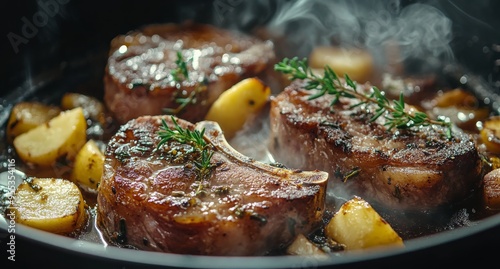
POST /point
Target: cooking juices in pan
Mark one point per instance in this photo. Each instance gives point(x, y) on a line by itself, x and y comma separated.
point(431, 94)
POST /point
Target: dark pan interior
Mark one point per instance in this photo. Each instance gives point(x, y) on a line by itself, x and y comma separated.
point(74, 33)
point(68, 53)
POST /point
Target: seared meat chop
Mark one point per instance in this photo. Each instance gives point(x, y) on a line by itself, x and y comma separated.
point(138, 77)
point(148, 198)
point(397, 169)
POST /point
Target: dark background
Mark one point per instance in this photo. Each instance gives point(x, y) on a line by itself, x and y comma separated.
point(78, 34)
point(80, 28)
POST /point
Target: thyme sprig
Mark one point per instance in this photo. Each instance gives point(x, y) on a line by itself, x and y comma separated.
point(195, 139)
point(350, 174)
point(395, 114)
point(179, 74)
point(204, 167)
point(184, 101)
point(181, 135)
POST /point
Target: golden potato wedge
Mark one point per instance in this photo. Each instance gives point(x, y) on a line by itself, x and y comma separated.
point(358, 226)
point(49, 204)
point(461, 107)
point(495, 162)
point(88, 166)
point(237, 104)
point(457, 97)
point(490, 134)
point(92, 107)
point(28, 115)
point(356, 63)
point(491, 189)
point(62, 136)
point(302, 246)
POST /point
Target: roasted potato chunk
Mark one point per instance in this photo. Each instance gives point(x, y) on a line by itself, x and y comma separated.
point(461, 107)
point(92, 107)
point(490, 134)
point(302, 246)
point(28, 115)
point(88, 165)
point(62, 136)
point(358, 226)
point(491, 189)
point(357, 63)
point(495, 162)
point(49, 204)
point(456, 97)
point(238, 104)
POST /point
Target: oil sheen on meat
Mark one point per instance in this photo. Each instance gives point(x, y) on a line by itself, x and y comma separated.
point(147, 198)
point(138, 77)
point(406, 169)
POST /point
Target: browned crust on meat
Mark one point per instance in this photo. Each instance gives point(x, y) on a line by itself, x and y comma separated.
point(397, 169)
point(250, 208)
point(138, 78)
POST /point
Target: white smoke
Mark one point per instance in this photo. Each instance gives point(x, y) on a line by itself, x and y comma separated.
point(421, 31)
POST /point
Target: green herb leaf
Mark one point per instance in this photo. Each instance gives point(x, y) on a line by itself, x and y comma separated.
point(181, 135)
point(394, 113)
point(196, 140)
point(180, 73)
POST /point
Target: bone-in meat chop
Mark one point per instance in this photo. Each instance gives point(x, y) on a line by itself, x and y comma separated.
point(144, 73)
point(414, 169)
point(150, 199)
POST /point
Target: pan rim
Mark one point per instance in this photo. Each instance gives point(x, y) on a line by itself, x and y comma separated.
point(111, 253)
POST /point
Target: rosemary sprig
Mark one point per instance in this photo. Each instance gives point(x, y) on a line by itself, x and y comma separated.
point(394, 113)
point(194, 138)
point(184, 101)
point(180, 73)
point(181, 135)
point(204, 167)
point(351, 174)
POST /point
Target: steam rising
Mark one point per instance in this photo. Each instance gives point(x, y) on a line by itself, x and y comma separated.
point(415, 31)
point(418, 31)
point(392, 32)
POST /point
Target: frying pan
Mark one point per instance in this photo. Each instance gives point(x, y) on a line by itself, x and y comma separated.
point(65, 49)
